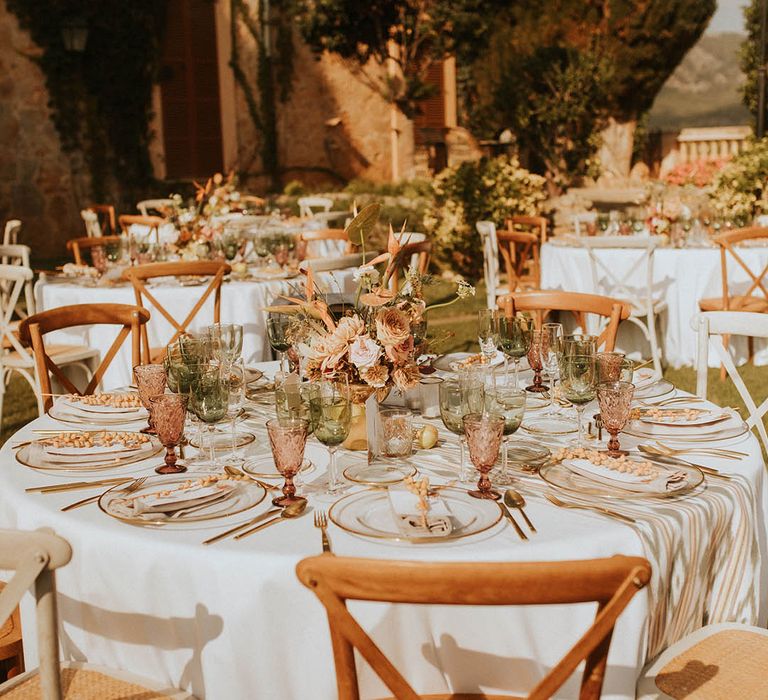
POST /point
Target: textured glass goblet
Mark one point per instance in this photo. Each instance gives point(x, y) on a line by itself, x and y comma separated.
point(169, 413)
point(484, 433)
point(615, 399)
point(151, 381)
point(609, 366)
point(287, 438)
point(538, 338)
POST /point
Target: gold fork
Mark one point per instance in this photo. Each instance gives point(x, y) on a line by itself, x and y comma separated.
point(321, 522)
point(137, 483)
point(578, 506)
point(713, 451)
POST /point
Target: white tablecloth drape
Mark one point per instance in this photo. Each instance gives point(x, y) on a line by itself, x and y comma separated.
point(241, 302)
point(231, 621)
point(681, 277)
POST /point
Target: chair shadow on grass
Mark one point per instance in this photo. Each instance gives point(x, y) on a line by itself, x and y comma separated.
point(169, 633)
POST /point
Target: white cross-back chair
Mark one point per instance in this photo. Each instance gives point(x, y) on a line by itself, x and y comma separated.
point(645, 304)
point(714, 328)
point(487, 231)
point(92, 226)
point(307, 205)
point(582, 220)
point(11, 232)
point(16, 254)
point(34, 558)
point(149, 206)
point(17, 357)
point(341, 262)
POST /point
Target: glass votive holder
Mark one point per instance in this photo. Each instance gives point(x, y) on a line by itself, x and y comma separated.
point(397, 430)
point(429, 388)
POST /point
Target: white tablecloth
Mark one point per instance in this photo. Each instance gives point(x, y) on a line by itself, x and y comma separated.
point(232, 622)
point(681, 277)
point(241, 302)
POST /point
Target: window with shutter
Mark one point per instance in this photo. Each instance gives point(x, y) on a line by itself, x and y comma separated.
point(189, 84)
point(430, 124)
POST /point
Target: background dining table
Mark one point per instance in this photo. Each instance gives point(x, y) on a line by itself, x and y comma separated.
point(681, 277)
point(231, 620)
point(239, 299)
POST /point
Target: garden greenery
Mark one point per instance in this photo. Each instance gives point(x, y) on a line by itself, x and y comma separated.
point(484, 190)
point(740, 192)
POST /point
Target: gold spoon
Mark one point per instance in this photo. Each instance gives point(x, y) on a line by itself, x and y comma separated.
point(294, 510)
point(515, 499)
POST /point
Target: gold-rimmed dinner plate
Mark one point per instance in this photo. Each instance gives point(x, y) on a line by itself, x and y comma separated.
point(452, 362)
point(243, 495)
point(34, 456)
point(264, 467)
point(63, 414)
point(77, 405)
point(549, 425)
point(223, 441)
point(730, 429)
point(655, 390)
point(379, 474)
point(369, 514)
point(677, 418)
point(562, 476)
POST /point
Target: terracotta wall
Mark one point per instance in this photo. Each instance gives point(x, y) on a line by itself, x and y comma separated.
point(36, 182)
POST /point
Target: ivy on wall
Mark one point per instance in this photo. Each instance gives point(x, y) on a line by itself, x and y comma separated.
point(101, 99)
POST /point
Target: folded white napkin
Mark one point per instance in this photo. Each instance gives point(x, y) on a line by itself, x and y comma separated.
point(645, 377)
point(408, 517)
point(169, 501)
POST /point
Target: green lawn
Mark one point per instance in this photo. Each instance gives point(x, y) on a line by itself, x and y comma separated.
point(455, 329)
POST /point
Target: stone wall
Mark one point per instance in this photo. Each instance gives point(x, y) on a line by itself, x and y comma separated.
point(36, 182)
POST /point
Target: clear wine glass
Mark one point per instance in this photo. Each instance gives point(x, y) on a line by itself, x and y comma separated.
point(514, 339)
point(331, 417)
point(507, 401)
point(209, 400)
point(578, 382)
point(226, 341)
point(277, 331)
point(235, 376)
point(551, 351)
point(488, 333)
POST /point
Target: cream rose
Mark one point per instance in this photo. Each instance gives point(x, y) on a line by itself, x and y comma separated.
point(364, 352)
point(402, 353)
point(392, 327)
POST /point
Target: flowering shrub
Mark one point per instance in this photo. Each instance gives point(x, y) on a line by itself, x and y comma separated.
point(741, 191)
point(462, 195)
point(700, 173)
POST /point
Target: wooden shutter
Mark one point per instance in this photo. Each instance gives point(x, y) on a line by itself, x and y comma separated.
point(190, 91)
point(430, 124)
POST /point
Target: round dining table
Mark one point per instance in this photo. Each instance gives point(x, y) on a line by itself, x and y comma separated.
point(681, 276)
point(239, 299)
point(231, 620)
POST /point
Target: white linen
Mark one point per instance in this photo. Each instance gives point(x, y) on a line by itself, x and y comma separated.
point(241, 302)
point(681, 277)
point(232, 620)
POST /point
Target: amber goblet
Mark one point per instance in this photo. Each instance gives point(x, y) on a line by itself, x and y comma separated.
point(151, 381)
point(615, 399)
point(287, 438)
point(484, 433)
point(538, 338)
point(169, 412)
point(609, 366)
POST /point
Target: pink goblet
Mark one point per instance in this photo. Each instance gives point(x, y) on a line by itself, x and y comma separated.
point(169, 412)
point(151, 381)
point(615, 399)
point(484, 433)
point(287, 438)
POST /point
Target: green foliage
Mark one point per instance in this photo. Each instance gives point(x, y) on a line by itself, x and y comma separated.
point(741, 190)
point(422, 32)
point(485, 190)
point(101, 99)
point(750, 56)
point(295, 188)
point(412, 189)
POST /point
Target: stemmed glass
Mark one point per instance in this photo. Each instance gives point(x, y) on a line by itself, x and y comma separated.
point(578, 382)
point(534, 360)
point(292, 397)
point(169, 413)
point(514, 339)
point(331, 414)
point(226, 341)
point(577, 344)
point(235, 377)
point(484, 433)
point(615, 399)
point(550, 351)
point(151, 381)
point(277, 331)
point(209, 400)
point(509, 402)
point(609, 366)
point(287, 440)
point(458, 397)
point(487, 332)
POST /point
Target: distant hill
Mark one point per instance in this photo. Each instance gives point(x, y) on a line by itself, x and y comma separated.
point(705, 88)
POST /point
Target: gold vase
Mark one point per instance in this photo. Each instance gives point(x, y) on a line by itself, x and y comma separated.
point(358, 428)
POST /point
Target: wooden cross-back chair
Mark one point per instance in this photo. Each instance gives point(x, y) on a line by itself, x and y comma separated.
point(729, 299)
point(404, 259)
point(78, 246)
point(102, 221)
point(130, 319)
point(33, 557)
point(139, 274)
point(327, 234)
point(520, 247)
point(541, 303)
point(162, 206)
point(610, 582)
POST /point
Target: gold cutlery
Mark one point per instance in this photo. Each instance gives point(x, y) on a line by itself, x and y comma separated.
point(130, 488)
point(232, 530)
point(294, 510)
point(714, 451)
point(321, 522)
point(515, 499)
point(511, 519)
point(73, 485)
point(234, 471)
point(578, 506)
point(674, 459)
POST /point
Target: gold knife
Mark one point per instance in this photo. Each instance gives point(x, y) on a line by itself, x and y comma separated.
point(255, 520)
point(506, 512)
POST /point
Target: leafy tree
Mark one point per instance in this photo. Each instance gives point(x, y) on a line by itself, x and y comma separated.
point(750, 55)
point(407, 34)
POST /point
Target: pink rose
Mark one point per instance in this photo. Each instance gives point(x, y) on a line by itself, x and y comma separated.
point(402, 353)
point(364, 352)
